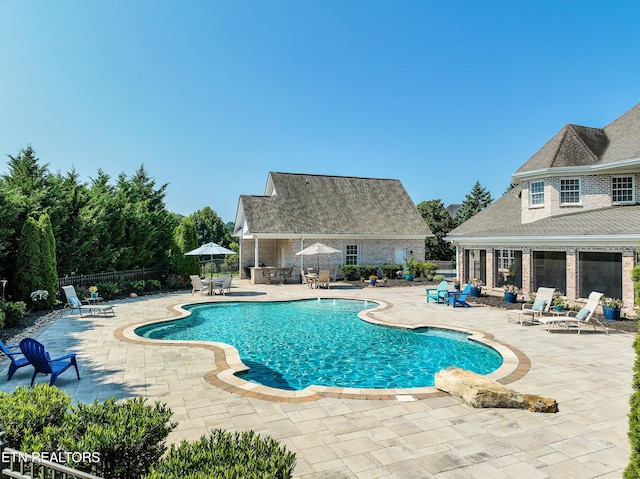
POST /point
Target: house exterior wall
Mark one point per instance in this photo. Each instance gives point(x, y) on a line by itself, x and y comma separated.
point(371, 252)
point(595, 193)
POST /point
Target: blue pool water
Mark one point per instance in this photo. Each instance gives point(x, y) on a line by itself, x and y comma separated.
point(294, 344)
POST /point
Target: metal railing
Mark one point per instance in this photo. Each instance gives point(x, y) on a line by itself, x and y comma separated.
point(112, 276)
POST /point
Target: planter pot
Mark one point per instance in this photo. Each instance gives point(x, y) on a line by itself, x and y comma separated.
point(456, 287)
point(94, 295)
point(373, 282)
point(559, 308)
point(408, 277)
point(510, 297)
point(475, 292)
point(611, 314)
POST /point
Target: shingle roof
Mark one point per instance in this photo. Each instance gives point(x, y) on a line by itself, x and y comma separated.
point(502, 219)
point(333, 205)
point(584, 146)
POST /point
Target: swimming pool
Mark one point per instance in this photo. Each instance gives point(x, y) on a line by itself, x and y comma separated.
point(294, 344)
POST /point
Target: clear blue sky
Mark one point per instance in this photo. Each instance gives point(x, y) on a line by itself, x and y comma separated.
point(212, 95)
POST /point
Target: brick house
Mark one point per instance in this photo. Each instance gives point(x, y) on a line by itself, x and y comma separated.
point(572, 221)
point(371, 221)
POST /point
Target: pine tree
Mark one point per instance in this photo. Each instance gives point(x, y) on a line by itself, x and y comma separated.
point(477, 200)
point(440, 223)
point(49, 278)
point(29, 260)
point(185, 239)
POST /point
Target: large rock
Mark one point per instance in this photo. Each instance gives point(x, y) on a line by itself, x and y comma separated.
point(480, 391)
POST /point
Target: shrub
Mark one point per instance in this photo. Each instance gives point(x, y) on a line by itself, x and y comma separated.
point(175, 281)
point(107, 289)
point(353, 272)
point(389, 270)
point(30, 410)
point(13, 313)
point(633, 468)
point(1, 318)
point(152, 285)
point(438, 278)
point(125, 286)
point(243, 455)
point(129, 436)
point(426, 269)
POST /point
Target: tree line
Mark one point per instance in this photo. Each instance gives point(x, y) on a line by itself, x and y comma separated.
point(102, 225)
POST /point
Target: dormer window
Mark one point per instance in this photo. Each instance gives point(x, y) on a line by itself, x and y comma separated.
point(570, 191)
point(622, 189)
point(536, 193)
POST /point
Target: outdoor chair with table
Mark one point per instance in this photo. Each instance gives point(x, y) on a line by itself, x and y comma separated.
point(74, 303)
point(586, 315)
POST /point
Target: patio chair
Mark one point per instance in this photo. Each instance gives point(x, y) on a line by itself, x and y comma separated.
point(224, 286)
point(584, 316)
point(323, 278)
point(74, 303)
point(16, 357)
point(535, 310)
point(439, 294)
point(459, 297)
point(42, 363)
point(196, 284)
point(303, 277)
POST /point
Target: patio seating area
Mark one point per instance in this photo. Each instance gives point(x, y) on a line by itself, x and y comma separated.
point(342, 437)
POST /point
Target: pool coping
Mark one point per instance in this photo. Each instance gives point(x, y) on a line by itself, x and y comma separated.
point(227, 361)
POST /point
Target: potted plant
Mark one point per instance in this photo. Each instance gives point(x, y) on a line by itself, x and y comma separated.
point(476, 287)
point(511, 292)
point(410, 268)
point(372, 279)
point(94, 291)
point(558, 301)
point(456, 284)
point(611, 308)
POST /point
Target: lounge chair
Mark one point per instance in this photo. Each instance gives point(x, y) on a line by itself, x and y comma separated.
point(584, 316)
point(196, 284)
point(439, 294)
point(15, 356)
point(42, 363)
point(459, 297)
point(535, 310)
point(74, 303)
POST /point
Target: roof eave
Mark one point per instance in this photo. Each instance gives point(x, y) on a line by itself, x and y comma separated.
point(572, 170)
point(626, 240)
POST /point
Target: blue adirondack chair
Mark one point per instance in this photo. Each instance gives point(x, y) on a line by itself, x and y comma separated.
point(39, 358)
point(438, 295)
point(459, 297)
point(15, 356)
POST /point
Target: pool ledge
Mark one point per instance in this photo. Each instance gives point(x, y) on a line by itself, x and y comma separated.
point(227, 363)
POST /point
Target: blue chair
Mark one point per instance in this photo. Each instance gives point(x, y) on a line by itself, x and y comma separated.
point(459, 297)
point(438, 295)
point(35, 353)
point(15, 356)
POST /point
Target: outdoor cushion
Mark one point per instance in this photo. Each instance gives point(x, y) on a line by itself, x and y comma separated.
point(538, 305)
point(582, 314)
point(75, 302)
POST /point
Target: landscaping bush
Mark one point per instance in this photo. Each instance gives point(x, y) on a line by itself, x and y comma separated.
point(175, 281)
point(129, 436)
point(138, 286)
point(1, 318)
point(243, 455)
point(633, 469)
point(152, 285)
point(389, 270)
point(30, 410)
point(125, 286)
point(107, 289)
point(353, 272)
point(438, 278)
point(13, 312)
point(426, 269)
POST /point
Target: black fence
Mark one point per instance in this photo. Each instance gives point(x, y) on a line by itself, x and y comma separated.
point(86, 280)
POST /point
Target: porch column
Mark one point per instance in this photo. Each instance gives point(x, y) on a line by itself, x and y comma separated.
point(628, 263)
point(572, 274)
point(526, 270)
point(458, 263)
point(489, 268)
point(255, 253)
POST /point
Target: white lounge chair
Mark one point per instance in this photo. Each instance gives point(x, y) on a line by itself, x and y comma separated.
point(535, 310)
point(74, 303)
point(584, 316)
point(196, 284)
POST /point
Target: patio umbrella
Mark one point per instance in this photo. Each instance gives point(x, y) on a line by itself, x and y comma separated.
point(210, 249)
point(317, 249)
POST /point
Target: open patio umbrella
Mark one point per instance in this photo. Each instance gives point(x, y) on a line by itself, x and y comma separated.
point(317, 249)
point(210, 249)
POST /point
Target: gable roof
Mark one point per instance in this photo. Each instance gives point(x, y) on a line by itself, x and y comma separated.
point(581, 146)
point(317, 205)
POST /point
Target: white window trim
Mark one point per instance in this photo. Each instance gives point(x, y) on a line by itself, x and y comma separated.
point(537, 205)
point(357, 255)
point(633, 190)
point(579, 202)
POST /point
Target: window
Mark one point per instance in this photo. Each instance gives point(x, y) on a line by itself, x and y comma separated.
point(569, 192)
point(352, 254)
point(622, 189)
point(505, 258)
point(536, 193)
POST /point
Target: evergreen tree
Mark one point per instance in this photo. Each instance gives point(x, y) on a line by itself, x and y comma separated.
point(209, 227)
point(440, 223)
point(477, 200)
point(49, 274)
point(185, 239)
point(633, 469)
point(28, 272)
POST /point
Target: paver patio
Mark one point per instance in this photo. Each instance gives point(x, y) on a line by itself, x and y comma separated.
point(441, 437)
